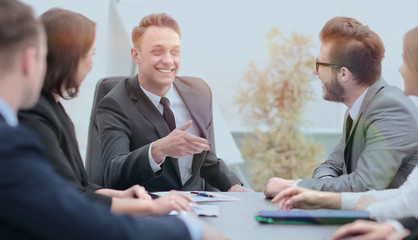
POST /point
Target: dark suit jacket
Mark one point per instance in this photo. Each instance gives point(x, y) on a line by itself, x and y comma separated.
point(36, 203)
point(128, 122)
point(410, 223)
point(49, 121)
point(382, 148)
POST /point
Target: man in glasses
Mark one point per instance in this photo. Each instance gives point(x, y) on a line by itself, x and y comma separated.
point(379, 144)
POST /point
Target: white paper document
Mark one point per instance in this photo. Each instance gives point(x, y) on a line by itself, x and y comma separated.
point(202, 210)
point(202, 196)
point(206, 210)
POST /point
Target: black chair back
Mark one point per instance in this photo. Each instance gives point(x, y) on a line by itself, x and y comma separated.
point(94, 163)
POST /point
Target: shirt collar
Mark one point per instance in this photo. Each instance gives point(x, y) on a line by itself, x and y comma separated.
point(155, 99)
point(355, 109)
point(8, 114)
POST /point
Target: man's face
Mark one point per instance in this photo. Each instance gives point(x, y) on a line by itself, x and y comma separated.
point(158, 58)
point(332, 90)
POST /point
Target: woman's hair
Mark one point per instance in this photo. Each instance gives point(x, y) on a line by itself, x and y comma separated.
point(70, 36)
point(410, 50)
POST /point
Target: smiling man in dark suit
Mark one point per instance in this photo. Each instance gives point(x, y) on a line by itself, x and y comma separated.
point(156, 128)
point(35, 202)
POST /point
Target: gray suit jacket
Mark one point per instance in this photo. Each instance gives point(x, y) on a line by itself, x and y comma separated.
point(128, 123)
point(382, 148)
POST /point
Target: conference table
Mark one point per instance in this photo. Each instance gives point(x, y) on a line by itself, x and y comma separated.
point(236, 221)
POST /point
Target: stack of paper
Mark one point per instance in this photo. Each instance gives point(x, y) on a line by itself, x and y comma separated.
point(203, 196)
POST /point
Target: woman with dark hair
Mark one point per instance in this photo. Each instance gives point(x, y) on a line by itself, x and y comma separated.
point(70, 39)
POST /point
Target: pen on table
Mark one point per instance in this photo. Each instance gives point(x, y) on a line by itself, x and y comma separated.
point(202, 194)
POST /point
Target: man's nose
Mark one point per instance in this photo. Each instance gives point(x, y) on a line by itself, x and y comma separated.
point(168, 59)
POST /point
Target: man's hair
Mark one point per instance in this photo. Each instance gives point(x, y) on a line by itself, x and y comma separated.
point(18, 30)
point(70, 36)
point(410, 50)
point(354, 46)
point(157, 19)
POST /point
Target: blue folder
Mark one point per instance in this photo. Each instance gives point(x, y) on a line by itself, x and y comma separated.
point(320, 216)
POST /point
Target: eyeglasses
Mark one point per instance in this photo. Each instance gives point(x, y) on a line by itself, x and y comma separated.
point(331, 65)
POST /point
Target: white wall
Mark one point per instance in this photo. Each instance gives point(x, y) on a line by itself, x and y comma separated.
point(219, 39)
point(98, 11)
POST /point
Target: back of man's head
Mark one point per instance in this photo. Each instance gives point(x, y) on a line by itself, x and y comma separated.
point(354, 46)
point(18, 30)
point(156, 19)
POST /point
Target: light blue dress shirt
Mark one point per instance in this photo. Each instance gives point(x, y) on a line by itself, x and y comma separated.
point(8, 114)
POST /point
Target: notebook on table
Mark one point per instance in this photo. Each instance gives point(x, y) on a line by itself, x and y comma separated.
point(320, 216)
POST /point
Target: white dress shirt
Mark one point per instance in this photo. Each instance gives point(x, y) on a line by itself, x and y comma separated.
point(8, 114)
point(355, 109)
point(181, 115)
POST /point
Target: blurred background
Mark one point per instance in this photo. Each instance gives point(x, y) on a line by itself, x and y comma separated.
point(219, 39)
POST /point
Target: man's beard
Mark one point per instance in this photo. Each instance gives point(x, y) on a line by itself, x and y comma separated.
point(334, 91)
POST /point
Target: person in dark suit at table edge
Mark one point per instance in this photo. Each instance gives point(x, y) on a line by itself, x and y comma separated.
point(141, 141)
point(35, 202)
point(378, 148)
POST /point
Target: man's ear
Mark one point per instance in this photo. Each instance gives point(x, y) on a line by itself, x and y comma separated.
point(28, 60)
point(135, 55)
point(345, 74)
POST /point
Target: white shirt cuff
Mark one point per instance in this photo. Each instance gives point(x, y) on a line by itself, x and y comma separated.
point(154, 166)
point(349, 199)
point(297, 181)
point(193, 224)
point(396, 225)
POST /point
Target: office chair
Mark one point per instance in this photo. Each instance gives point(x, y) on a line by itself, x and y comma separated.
point(94, 166)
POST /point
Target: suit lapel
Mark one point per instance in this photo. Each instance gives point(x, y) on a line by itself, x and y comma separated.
point(147, 108)
point(191, 100)
point(371, 93)
point(144, 105)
